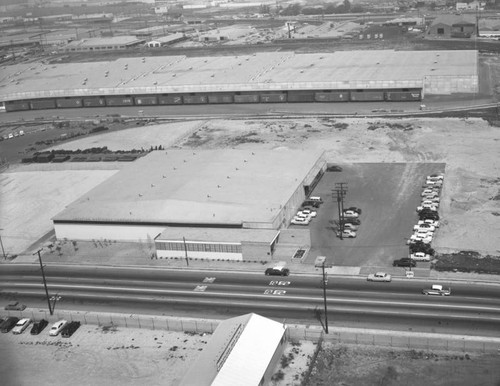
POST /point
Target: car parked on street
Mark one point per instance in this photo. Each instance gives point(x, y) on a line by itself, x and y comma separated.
point(8, 324)
point(347, 234)
point(15, 306)
point(404, 262)
point(38, 327)
point(420, 256)
point(21, 325)
point(70, 329)
point(277, 271)
point(57, 327)
point(437, 289)
point(379, 276)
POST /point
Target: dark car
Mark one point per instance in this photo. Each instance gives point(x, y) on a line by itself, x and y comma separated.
point(420, 246)
point(354, 209)
point(69, 329)
point(15, 306)
point(427, 214)
point(351, 220)
point(38, 327)
point(314, 204)
point(404, 262)
point(8, 324)
point(277, 271)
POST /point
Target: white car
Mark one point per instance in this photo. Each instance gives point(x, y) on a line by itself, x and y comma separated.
point(420, 256)
point(424, 228)
point(418, 237)
point(57, 327)
point(308, 212)
point(433, 182)
point(437, 289)
point(431, 198)
point(303, 215)
point(350, 226)
point(427, 206)
point(430, 192)
point(379, 276)
point(347, 234)
point(21, 326)
point(434, 223)
point(431, 202)
point(351, 213)
point(436, 177)
point(300, 221)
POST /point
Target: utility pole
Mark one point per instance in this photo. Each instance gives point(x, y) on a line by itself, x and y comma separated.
point(44, 281)
point(325, 281)
point(338, 193)
point(185, 251)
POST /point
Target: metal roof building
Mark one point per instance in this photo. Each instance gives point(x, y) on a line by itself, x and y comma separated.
point(243, 351)
point(436, 72)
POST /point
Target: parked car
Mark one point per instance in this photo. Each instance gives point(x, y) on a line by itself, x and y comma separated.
point(277, 271)
point(8, 324)
point(353, 221)
point(436, 177)
point(437, 289)
point(430, 192)
point(57, 327)
point(15, 306)
point(427, 206)
point(379, 276)
point(433, 223)
point(420, 256)
point(350, 226)
point(424, 227)
point(303, 215)
point(21, 325)
point(404, 262)
point(300, 221)
point(423, 237)
point(70, 329)
point(354, 209)
point(308, 212)
point(38, 327)
point(433, 201)
point(347, 234)
point(427, 214)
point(419, 246)
point(350, 213)
point(431, 183)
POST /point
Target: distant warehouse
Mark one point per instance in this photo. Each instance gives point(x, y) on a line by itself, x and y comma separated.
point(278, 77)
point(107, 44)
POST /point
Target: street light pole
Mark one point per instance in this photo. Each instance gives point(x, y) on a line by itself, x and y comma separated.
point(44, 281)
point(324, 297)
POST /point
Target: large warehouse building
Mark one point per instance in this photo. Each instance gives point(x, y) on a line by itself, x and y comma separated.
point(227, 204)
point(383, 75)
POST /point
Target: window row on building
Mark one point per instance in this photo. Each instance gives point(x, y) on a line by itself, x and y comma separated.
point(198, 247)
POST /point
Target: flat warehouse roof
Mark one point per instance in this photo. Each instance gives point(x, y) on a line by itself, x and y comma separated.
point(197, 187)
point(257, 72)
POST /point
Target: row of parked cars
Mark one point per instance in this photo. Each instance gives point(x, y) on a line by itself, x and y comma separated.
point(307, 211)
point(18, 326)
point(349, 223)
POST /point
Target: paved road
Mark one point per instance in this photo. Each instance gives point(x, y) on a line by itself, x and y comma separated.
point(351, 302)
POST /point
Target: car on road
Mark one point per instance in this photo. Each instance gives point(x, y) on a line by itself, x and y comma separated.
point(38, 327)
point(300, 221)
point(308, 212)
point(379, 276)
point(424, 227)
point(420, 256)
point(15, 306)
point(354, 209)
point(350, 213)
point(277, 271)
point(404, 262)
point(437, 289)
point(347, 234)
point(21, 325)
point(350, 226)
point(70, 329)
point(57, 327)
point(8, 324)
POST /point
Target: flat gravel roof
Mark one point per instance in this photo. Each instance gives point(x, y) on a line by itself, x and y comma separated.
point(197, 187)
point(256, 72)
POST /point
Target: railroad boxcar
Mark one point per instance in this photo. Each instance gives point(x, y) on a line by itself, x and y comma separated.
point(17, 105)
point(246, 98)
point(94, 102)
point(401, 96)
point(331, 96)
point(195, 99)
point(367, 96)
point(273, 98)
point(119, 100)
point(146, 100)
point(67, 103)
point(298, 96)
point(220, 98)
point(173, 99)
point(40, 104)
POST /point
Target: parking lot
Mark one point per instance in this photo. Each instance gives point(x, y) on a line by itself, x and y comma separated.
point(388, 195)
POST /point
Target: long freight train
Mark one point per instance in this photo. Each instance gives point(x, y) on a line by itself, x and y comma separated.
point(401, 95)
